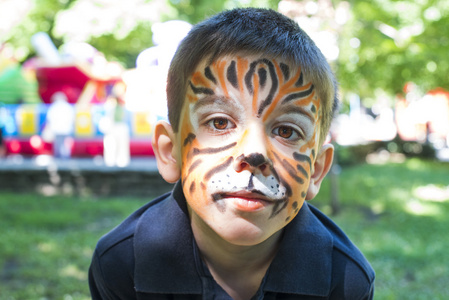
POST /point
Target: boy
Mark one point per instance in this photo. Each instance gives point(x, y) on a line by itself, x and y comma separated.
point(250, 101)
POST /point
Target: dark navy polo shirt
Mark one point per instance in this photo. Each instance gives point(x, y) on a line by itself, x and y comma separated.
point(153, 255)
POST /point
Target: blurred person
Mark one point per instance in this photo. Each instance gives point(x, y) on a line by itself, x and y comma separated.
point(116, 141)
point(59, 125)
point(250, 102)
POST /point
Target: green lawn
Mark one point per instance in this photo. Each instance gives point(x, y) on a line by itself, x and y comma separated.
point(395, 213)
point(46, 243)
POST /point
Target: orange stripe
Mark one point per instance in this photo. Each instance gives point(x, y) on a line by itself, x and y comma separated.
point(279, 73)
point(256, 92)
point(294, 79)
point(220, 66)
point(283, 90)
point(306, 101)
point(198, 79)
point(242, 68)
point(192, 98)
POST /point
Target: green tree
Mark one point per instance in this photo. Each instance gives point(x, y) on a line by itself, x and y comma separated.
point(388, 43)
point(194, 11)
point(41, 17)
point(383, 45)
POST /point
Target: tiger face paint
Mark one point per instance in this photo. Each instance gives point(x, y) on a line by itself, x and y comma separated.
point(249, 137)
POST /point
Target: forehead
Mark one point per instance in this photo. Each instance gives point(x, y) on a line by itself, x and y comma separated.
point(247, 62)
point(268, 83)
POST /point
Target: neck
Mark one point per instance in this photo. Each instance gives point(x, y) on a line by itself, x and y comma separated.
point(238, 269)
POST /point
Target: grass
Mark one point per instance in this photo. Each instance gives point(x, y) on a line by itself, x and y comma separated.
point(47, 242)
point(395, 213)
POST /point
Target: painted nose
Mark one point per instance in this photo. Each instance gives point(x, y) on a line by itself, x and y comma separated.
point(251, 161)
point(254, 155)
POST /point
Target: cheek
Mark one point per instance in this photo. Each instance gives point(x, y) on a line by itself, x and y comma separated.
point(294, 172)
point(192, 181)
point(197, 171)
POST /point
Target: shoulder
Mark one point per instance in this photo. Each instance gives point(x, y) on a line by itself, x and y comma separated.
point(352, 274)
point(125, 230)
point(111, 272)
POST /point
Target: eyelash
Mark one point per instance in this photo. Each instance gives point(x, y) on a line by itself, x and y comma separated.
point(230, 126)
point(299, 135)
point(211, 126)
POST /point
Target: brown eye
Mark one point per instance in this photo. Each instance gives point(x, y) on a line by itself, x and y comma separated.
point(285, 132)
point(220, 123)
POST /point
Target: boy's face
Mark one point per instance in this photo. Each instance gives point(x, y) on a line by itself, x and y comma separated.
point(249, 138)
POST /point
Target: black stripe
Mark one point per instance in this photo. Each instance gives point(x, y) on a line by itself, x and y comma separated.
point(209, 75)
point(278, 207)
point(292, 172)
point(300, 81)
point(280, 179)
point(302, 158)
point(249, 76)
point(197, 151)
point(218, 168)
point(231, 75)
point(285, 71)
point(192, 187)
point(201, 90)
point(262, 77)
point(274, 87)
point(194, 165)
point(298, 95)
point(302, 170)
point(189, 139)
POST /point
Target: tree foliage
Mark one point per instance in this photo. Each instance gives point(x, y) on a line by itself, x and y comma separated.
point(194, 11)
point(385, 43)
point(388, 43)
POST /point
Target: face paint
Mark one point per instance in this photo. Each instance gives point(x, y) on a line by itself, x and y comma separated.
point(249, 136)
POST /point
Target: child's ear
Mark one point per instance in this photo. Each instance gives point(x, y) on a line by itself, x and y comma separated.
point(164, 147)
point(322, 165)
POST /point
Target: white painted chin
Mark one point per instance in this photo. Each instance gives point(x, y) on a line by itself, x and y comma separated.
point(230, 181)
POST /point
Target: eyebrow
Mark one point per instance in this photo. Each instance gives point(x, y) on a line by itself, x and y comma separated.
point(214, 100)
point(289, 109)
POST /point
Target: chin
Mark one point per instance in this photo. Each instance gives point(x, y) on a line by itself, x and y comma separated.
point(244, 233)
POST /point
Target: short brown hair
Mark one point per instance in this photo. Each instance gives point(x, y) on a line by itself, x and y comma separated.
point(252, 31)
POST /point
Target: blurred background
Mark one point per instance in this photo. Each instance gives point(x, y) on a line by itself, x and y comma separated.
point(83, 81)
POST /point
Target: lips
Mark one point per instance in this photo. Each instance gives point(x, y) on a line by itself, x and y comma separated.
point(248, 201)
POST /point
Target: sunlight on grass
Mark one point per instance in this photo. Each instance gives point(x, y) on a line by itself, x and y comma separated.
point(397, 215)
point(46, 247)
point(73, 271)
point(420, 208)
point(432, 192)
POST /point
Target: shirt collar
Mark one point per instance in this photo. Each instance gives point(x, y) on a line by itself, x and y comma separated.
point(165, 259)
point(303, 264)
point(163, 249)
